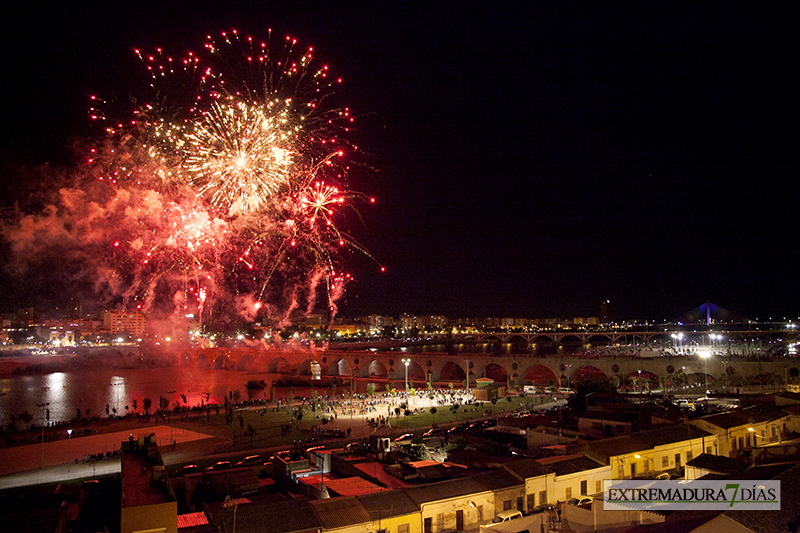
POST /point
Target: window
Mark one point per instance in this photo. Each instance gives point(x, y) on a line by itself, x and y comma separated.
point(542, 497)
point(646, 466)
point(708, 450)
point(584, 487)
point(689, 456)
point(439, 521)
point(747, 440)
point(621, 470)
point(568, 493)
point(733, 443)
point(665, 462)
point(506, 505)
point(531, 501)
point(428, 525)
point(598, 486)
point(520, 506)
point(402, 528)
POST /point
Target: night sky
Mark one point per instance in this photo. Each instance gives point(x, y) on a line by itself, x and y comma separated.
point(530, 161)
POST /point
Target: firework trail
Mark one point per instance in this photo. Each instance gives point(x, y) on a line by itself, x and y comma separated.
point(225, 187)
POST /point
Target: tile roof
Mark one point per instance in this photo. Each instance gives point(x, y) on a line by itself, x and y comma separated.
point(604, 449)
point(571, 464)
point(443, 490)
point(192, 519)
point(498, 479)
point(526, 468)
point(387, 504)
point(718, 463)
point(292, 516)
point(787, 518)
point(745, 416)
point(351, 486)
point(334, 513)
point(668, 435)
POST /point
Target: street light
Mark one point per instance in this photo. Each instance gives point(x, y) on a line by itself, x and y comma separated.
point(467, 360)
point(406, 362)
point(47, 411)
point(677, 345)
point(648, 459)
point(753, 431)
point(69, 449)
point(705, 355)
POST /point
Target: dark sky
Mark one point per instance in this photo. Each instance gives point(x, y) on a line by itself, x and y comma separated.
point(532, 160)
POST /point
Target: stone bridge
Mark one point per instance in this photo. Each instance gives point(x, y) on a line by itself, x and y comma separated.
point(513, 369)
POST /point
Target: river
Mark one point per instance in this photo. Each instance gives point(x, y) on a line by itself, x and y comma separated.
point(90, 390)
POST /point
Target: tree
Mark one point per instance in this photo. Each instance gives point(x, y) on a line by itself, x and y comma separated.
point(371, 389)
point(433, 414)
point(147, 403)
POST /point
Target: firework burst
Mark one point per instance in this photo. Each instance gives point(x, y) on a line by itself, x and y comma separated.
point(226, 184)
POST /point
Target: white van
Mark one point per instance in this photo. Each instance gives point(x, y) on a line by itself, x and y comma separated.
point(505, 516)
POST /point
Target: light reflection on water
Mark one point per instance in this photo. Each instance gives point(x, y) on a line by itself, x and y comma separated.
point(63, 393)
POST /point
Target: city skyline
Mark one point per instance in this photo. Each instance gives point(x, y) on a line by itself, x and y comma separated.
point(527, 162)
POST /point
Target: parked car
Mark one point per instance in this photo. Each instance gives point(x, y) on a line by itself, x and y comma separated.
point(542, 508)
point(505, 516)
point(583, 500)
point(220, 465)
point(457, 429)
point(404, 439)
point(250, 460)
point(663, 476)
point(188, 469)
point(433, 432)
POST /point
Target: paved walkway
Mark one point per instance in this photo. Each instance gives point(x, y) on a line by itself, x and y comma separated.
point(55, 462)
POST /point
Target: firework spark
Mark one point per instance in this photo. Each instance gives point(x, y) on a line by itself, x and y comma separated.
point(225, 186)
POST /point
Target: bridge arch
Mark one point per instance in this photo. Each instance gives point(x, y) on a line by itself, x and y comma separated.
point(338, 367)
point(599, 339)
point(279, 365)
point(202, 361)
point(571, 343)
point(495, 372)
point(544, 344)
point(518, 344)
point(310, 367)
point(245, 362)
point(222, 363)
point(374, 369)
point(539, 375)
point(586, 374)
point(452, 372)
point(641, 381)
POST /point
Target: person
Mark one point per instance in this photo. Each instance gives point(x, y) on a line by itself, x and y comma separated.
point(558, 511)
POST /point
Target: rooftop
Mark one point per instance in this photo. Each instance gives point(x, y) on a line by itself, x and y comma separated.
point(335, 513)
point(143, 482)
point(718, 463)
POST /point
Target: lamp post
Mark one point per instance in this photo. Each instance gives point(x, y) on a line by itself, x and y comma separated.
point(69, 449)
point(646, 459)
point(405, 363)
point(116, 387)
point(705, 355)
point(45, 413)
point(467, 360)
